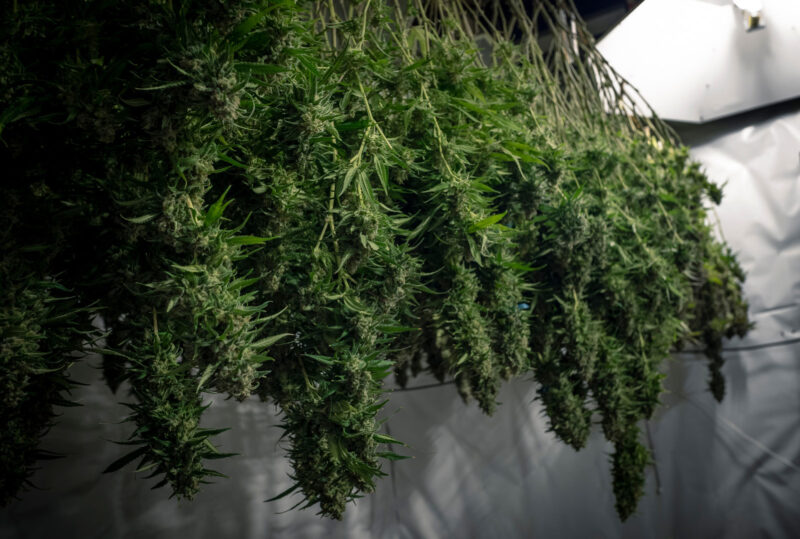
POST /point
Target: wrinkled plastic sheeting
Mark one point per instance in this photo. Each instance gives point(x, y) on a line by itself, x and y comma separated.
point(721, 470)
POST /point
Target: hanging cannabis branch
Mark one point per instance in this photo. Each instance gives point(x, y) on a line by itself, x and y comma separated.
point(292, 200)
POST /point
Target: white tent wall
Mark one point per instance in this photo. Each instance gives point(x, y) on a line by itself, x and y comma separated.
point(721, 470)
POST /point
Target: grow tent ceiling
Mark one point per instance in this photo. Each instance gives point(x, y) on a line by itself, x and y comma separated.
point(695, 61)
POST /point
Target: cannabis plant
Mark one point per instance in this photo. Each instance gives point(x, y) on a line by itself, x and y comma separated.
point(292, 200)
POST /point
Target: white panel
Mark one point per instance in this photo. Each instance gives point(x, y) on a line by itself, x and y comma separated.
point(693, 61)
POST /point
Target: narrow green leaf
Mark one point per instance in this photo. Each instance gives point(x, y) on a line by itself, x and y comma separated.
point(384, 439)
point(243, 283)
point(146, 467)
point(230, 161)
point(191, 268)
point(383, 175)
point(207, 373)
point(160, 484)
point(343, 127)
point(142, 218)
point(269, 341)
point(485, 223)
point(517, 265)
point(122, 461)
point(214, 211)
point(348, 177)
point(668, 197)
point(164, 86)
point(248, 240)
point(322, 359)
point(284, 493)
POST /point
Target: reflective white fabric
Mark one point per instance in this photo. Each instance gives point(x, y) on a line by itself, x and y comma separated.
point(727, 470)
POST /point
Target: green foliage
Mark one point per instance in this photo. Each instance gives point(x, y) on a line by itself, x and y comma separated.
point(167, 416)
point(292, 200)
point(39, 327)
